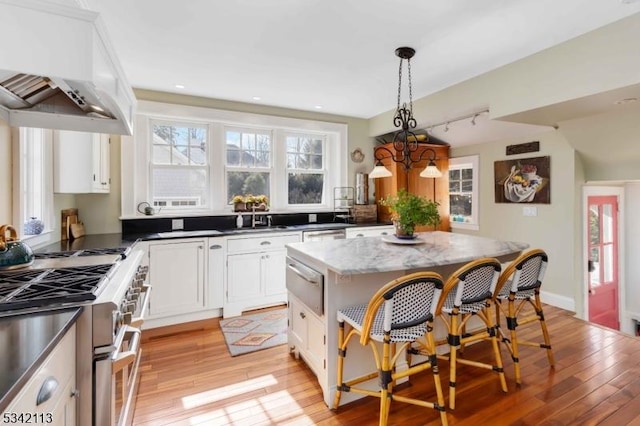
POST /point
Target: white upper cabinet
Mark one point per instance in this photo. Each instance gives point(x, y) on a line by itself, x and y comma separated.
point(81, 162)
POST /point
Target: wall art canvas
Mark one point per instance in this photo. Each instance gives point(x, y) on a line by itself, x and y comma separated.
point(525, 180)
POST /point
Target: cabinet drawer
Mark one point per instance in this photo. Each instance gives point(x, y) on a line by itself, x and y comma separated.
point(370, 231)
point(59, 366)
point(260, 243)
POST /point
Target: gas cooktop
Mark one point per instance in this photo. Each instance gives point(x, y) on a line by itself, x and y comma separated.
point(58, 278)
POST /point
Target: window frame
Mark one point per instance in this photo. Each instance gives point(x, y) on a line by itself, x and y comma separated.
point(26, 176)
point(135, 155)
point(324, 170)
point(468, 162)
point(152, 166)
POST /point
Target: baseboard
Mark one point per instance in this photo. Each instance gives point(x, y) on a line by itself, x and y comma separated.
point(562, 302)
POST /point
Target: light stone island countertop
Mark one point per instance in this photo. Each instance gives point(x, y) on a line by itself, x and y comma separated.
point(373, 254)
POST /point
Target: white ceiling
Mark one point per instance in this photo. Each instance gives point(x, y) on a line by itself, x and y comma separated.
point(337, 54)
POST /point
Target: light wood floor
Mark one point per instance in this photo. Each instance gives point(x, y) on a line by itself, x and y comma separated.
point(188, 378)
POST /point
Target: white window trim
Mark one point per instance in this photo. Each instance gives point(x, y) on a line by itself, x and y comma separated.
point(19, 187)
point(135, 153)
point(472, 161)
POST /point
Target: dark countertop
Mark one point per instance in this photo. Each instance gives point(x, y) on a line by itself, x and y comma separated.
point(89, 242)
point(25, 342)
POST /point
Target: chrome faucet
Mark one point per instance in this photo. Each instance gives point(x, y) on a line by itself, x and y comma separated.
point(259, 221)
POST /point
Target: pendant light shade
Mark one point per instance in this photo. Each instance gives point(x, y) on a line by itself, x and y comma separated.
point(379, 171)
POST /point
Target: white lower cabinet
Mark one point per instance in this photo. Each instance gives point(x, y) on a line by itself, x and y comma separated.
point(256, 272)
point(177, 272)
point(54, 383)
point(306, 335)
point(369, 231)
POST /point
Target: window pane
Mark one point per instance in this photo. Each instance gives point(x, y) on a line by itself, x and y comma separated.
point(248, 149)
point(460, 205)
point(176, 187)
point(467, 185)
point(454, 174)
point(466, 173)
point(245, 183)
point(304, 152)
point(179, 145)
point(305, 188)
point(454, 186)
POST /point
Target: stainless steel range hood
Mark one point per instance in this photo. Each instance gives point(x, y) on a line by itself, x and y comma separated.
point(59, 71)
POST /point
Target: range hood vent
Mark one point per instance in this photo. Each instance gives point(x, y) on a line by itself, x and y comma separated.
point(63, 74)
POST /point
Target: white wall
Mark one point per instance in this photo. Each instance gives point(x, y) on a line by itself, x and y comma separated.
point(552, 229)
point(632, 253)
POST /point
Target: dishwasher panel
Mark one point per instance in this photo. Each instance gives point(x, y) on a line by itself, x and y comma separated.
point(306, 284)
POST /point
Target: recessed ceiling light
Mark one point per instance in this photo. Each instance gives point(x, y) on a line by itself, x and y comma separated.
point(179, 86)
point(626, 101)
point(256, 98)
point(318, 106)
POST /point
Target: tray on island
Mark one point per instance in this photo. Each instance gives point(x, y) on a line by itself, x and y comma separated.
point(408, 241)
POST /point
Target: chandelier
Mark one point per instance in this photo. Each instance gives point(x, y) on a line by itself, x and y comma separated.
point(406, 148)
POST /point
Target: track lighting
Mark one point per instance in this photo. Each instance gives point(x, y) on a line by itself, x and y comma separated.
point(473, 120)
point(446, 127)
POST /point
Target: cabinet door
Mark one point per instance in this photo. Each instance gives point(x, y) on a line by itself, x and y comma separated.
point(101, 162)
point(274, 271)
point(176, 272)
point(297, 324)
point(315, 341)
point(244, 273)
point(81, 162)
point(217, 254)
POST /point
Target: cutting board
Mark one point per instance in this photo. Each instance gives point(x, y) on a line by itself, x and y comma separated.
point(71, 220)
point(64, 225)
point(76, 230)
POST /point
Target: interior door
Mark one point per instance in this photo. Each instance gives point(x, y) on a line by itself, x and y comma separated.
point(603, 260)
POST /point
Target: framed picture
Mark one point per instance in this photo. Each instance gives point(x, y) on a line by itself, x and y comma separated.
point(525, 180)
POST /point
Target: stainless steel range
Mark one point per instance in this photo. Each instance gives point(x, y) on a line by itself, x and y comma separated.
point(109, 284)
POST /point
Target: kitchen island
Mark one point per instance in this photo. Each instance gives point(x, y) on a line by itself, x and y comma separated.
point(348, 272)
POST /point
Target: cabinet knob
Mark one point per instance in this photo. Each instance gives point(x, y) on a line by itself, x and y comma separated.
point(302, 315)
point(265, 243)
point(46, 390)
point(215, 247)
point(384, 233)
point(75, 393)
point(359, 235)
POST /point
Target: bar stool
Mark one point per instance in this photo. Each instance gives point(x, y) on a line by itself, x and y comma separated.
point(400, 312)
point(468, 293)
point(519, 287)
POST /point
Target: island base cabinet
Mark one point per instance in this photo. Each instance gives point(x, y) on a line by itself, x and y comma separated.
point(306, 336)
point(59, 375)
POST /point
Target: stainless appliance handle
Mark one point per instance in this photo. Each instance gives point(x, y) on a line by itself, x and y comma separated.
point(302, 275)
point(139, 320)
point(121, 359)
point(324, 233)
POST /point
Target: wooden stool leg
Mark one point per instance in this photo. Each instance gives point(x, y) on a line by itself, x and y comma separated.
point(512, 324)
point(385, 381)
point(436, 378)
point(341, 355)
point(454, 341)
point(545, 332)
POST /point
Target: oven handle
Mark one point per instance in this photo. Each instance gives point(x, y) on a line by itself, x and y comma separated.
point(121, 359)
point(139, 320)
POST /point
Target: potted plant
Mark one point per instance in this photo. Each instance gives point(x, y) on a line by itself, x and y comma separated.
point(409, 210)
point(238, 203)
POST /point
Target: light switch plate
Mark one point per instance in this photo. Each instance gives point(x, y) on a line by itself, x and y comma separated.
point(313, 217)
point(177, 224)
point(529, 211)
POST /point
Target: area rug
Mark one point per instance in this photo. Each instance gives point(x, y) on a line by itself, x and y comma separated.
point(250, 333)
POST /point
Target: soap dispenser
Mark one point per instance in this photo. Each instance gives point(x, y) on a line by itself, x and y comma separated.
point(239, 221)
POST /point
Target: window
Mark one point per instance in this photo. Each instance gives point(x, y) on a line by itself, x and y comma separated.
point(189, 159)
point(33, 187)
point(248, 165)
point(179, 165)
point(463, 192)
point(305, 169)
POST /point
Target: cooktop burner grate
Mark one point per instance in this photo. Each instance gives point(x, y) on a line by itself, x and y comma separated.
point(45, 287)
point(79, 253)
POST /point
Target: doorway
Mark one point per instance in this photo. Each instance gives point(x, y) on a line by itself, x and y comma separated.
point(603, 287)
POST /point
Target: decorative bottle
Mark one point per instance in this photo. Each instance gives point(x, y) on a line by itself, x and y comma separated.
point(239, 221)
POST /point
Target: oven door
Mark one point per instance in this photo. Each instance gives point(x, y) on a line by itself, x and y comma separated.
point(117, 372)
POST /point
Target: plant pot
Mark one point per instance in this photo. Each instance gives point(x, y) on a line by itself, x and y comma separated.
point(402, 233)
point(239, 207)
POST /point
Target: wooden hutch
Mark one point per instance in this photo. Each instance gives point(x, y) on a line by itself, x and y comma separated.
point(433, 188)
